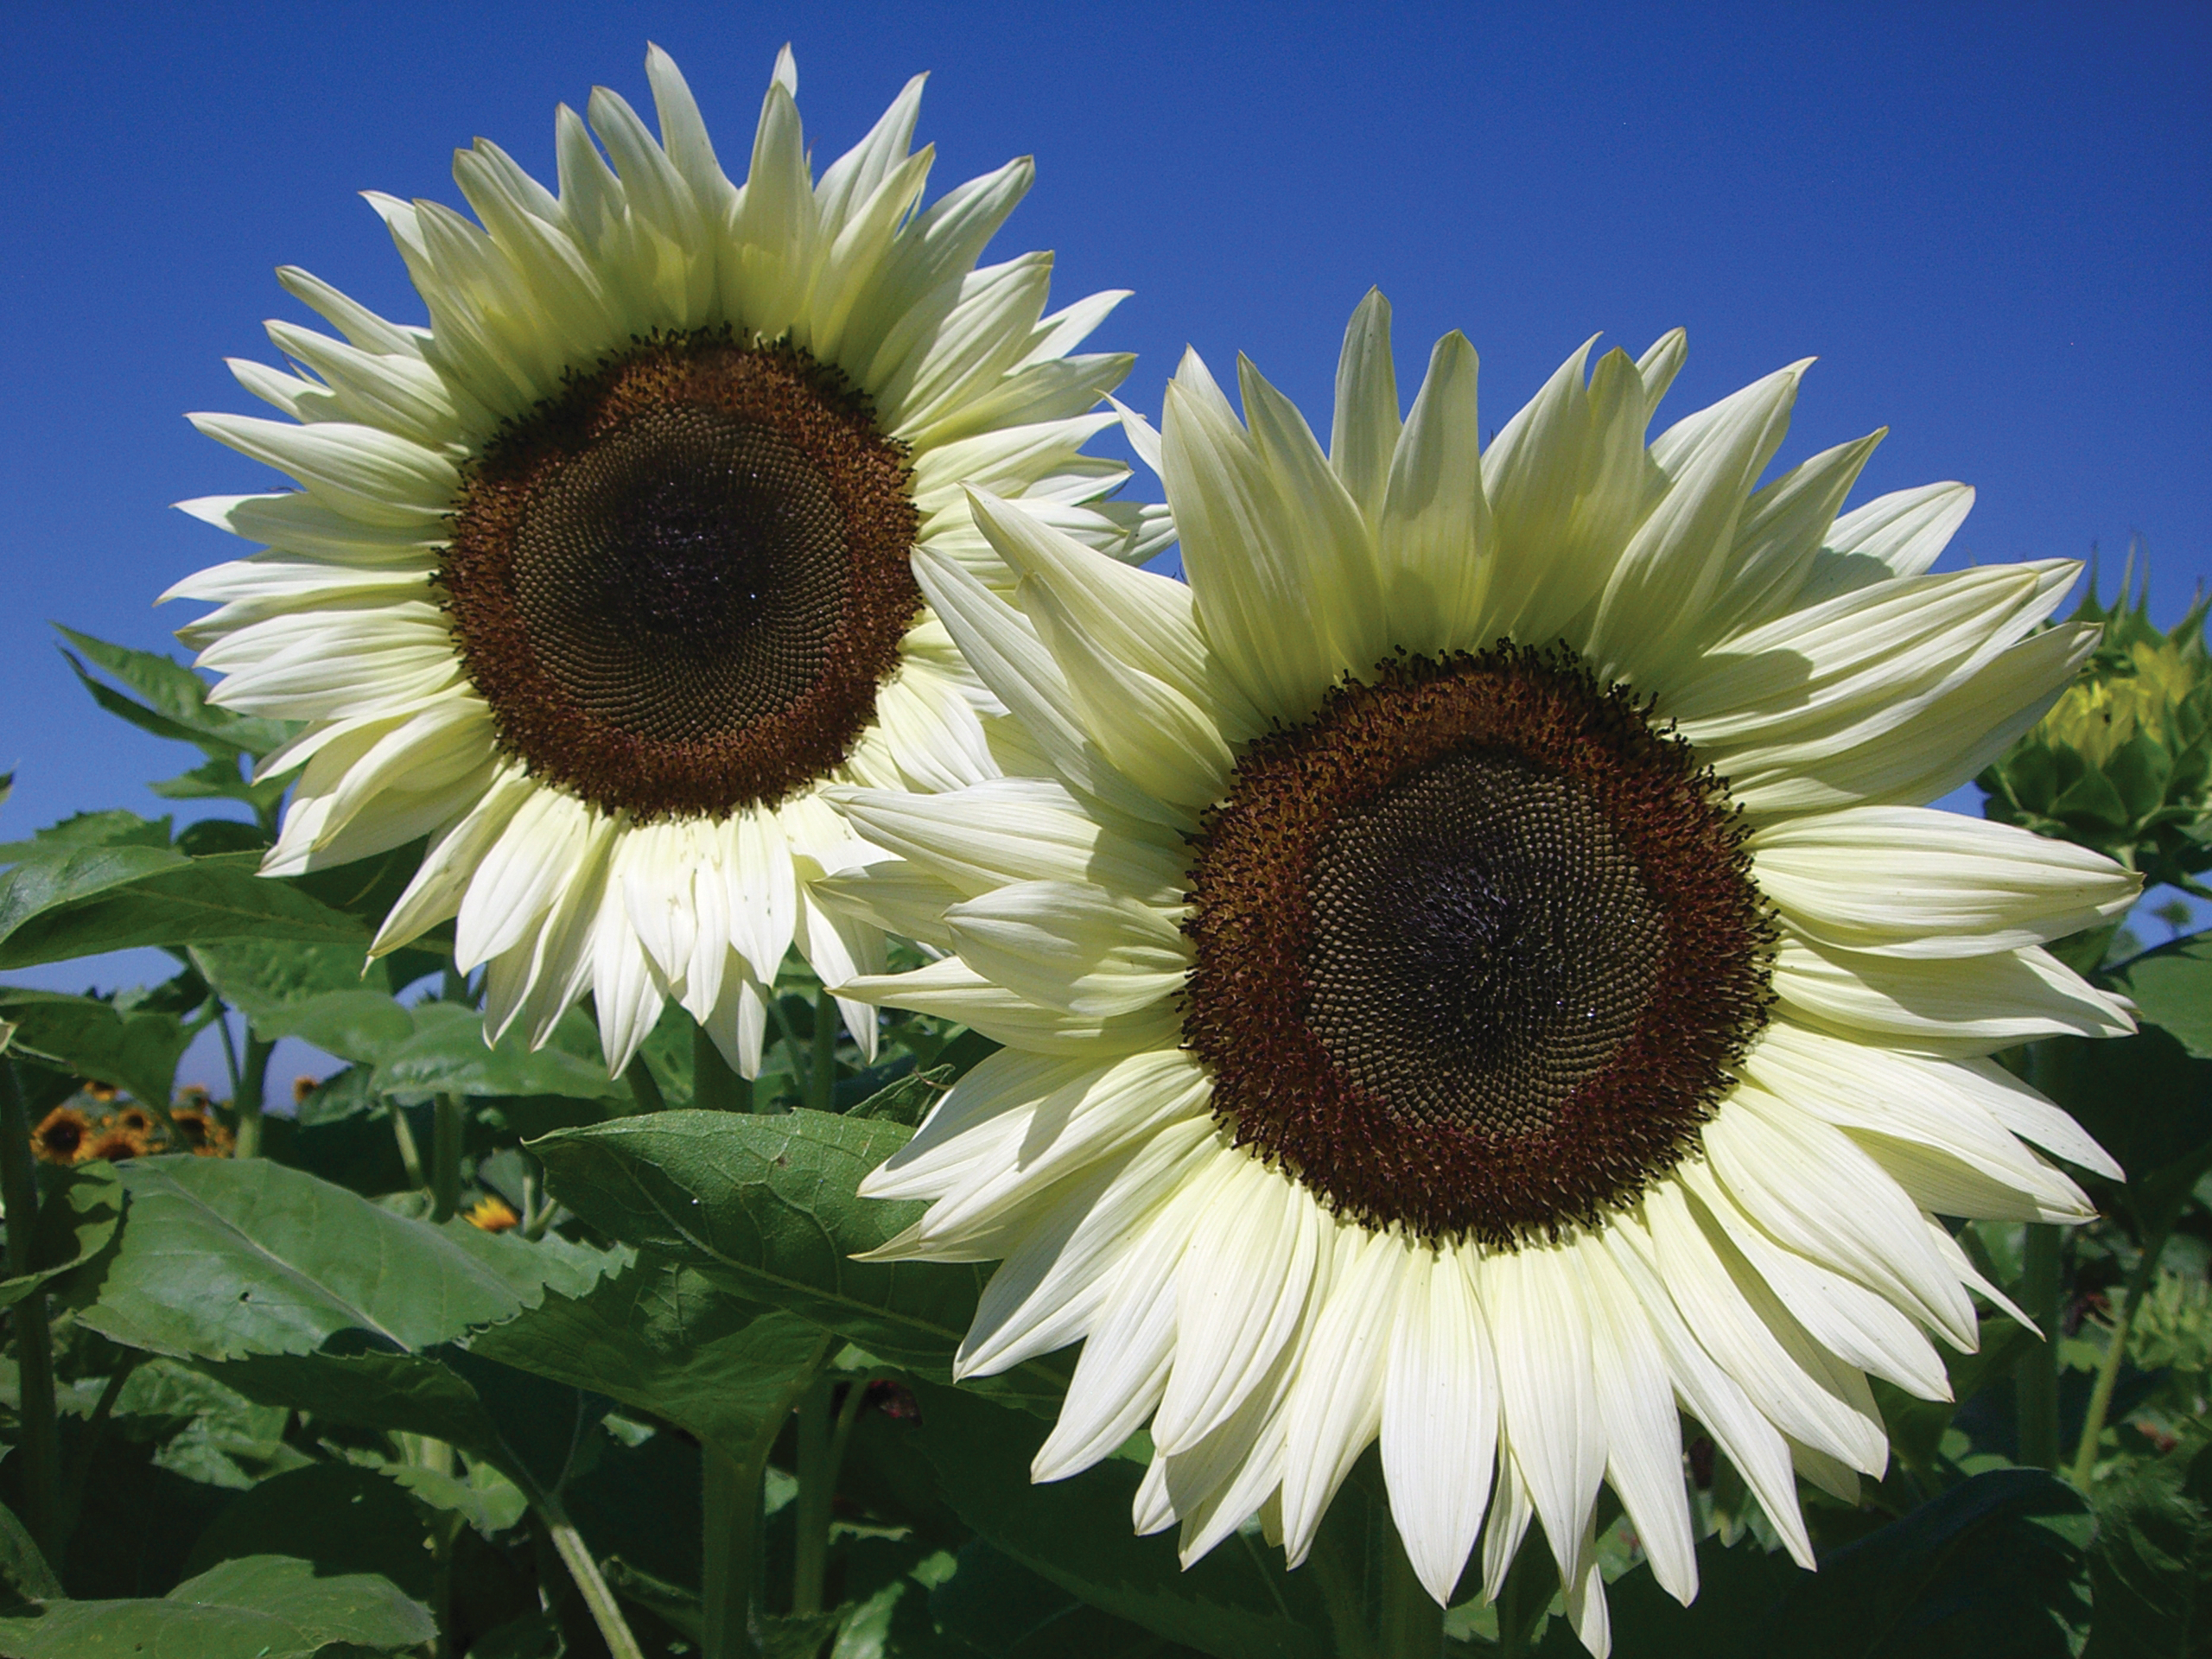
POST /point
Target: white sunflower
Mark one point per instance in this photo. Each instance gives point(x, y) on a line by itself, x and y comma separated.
point(600, 578)
point(1477, 974)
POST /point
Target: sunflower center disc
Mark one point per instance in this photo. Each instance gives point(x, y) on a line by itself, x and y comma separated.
point(680, 583)
point(1476, 949)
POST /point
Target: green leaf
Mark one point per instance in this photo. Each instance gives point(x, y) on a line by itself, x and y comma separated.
point(907, 1100)
point(2138, 769)
point(1236, 1604)
point(666, 1339)
point(331, 995)
point(340, 1516)
point(260, 1607)
point(90, 900)
point(2148, 1103)
point(88, 1038)
point(411, 1394)
point(114, 828)
point(770, 1203)
point(1739, 1588)
point(21, 1564)
point(76, 1218)
point(217, 779)
point(175, 699)
point(446, 1055)
point(217, 1259)
point(2151, 1565)
point(1979, 1569)
point(2172, 988)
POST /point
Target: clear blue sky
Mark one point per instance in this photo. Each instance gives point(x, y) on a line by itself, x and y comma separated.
point(1992, 225)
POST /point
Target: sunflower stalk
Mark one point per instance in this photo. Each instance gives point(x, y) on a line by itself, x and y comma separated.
point(817, 1488)
point(445, 1158)
point(731, 1497)
point(822, 1070)
point(250, 1081)
point(715, 1086)
point(2093, 1422)
point(1412, 1623)
point(39, 1440)
point(2037, 1385)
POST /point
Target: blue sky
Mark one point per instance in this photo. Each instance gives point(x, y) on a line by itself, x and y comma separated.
point(1993, 225)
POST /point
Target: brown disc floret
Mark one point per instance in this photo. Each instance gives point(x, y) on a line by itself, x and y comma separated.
point(680, 583)
point(1477, 947)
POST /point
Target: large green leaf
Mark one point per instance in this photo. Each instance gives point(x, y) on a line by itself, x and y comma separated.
point(2150, 1566)
point(340, 1516)
point(412, 1393)
point(76, 1218)
point(665, 1338)
point(176, 700)
point(256, 1607)
point(216, 1259)
point(89, 900)
point(1236, 1604)
point(770, 1202)
point(86, 1037)
point(446, 1055)
point(2172, 988)
point(331, 995)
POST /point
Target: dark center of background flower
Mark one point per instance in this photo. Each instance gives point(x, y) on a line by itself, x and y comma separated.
point(1476, 948)
point(681, 583)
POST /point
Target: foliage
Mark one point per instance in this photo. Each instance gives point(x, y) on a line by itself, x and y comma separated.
point(487, 1353)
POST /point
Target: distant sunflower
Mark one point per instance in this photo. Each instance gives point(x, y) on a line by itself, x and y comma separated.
point(197, 1131)
point(492, 1213)
point(114, 1145)
point(600, 578)
point(61, 1135)
point(135, 1119)
point(1478, 974)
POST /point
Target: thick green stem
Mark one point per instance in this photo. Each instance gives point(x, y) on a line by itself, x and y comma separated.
point(445, 1157)
point(644, 1089)
point(247, 1098)
point(714, 1087)
point(1524, 1597)
point(2093, 1426)
point(2037, 1385)
point(816, 1487)
point(732, 1498)
point(410, 1156)
point(1340, 1595)
point(575, 1555)
point(1413, 1625)
point(40, 1444)
point(822, 1072)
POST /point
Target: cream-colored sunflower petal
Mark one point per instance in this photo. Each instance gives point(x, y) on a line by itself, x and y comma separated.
point(1966, 1006)
point(1016, 830)
point(435, 892)
point(1438, 1424)
point(1801, 1388)
point(1123, 1368)
point(519, 877)
point(952, 990)
point(1365, 435)
point(1335, 1405)
point(296, 522)
point(623, 990)
point(1240, 1290)
point(1072, 946)
point(1049, 1292)
point(894, 897)
point(841, 948)
point(1509, 1514)
point(1635, 1403)
point(1547, 1385)
point(1780, 534)
point(1742, 1431)
point(1254, 597)
point(1908, 881)
point(763, 891)
point(857, 175)
point(1897, 535)
point(374, 477)
point(1434, 543)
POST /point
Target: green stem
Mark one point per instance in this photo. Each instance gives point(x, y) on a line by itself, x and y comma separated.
point(644, 1089)
point(822, 1072)
point(2037, 1385)
point(1347, 1619)
point(731, 1494)
point(41, 1443)
point(816, 1487)
point(714, 1087)
point(80, 1469)
point(2093, 1426)
point(445, 1158)
point(246, 1099)
point(230, 1044)
point(410, 1156)
point(1413, 1625)
point(1524, 1597)
point(575, 1555)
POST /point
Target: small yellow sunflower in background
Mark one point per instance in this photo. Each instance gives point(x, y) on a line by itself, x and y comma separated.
point(61, 1135)
point(492, 1213)
point(597, 580)
point(1477, 971)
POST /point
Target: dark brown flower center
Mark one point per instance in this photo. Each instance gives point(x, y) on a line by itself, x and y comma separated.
point(680, 584)
point(1477, 948)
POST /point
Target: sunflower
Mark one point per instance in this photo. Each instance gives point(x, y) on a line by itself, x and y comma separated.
point(600, 578)
point(61, 1135)
point(116, 1145)
point(492, 1213)
point(1474, 972)
point(195, 1129)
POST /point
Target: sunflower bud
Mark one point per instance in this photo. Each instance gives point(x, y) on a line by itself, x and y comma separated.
point(2123, 761)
